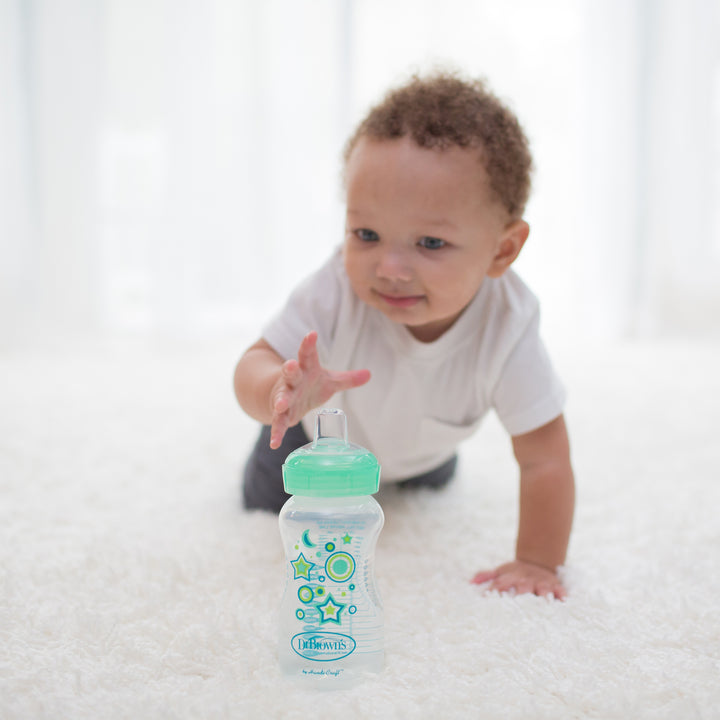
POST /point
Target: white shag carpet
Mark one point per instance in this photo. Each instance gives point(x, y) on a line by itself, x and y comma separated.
point(133, 586)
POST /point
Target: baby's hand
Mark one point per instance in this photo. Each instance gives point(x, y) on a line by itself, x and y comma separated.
point(523, 577)
point(304, 385)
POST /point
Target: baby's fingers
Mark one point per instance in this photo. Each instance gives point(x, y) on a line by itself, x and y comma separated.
point(278, 429)
point(307, 353)
point(349, 379)
point(506, 583)
point(555, 590)
point(483, 577)
point(281, 402)
point(292, 373)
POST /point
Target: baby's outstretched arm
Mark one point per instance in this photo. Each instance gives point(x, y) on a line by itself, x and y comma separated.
point(547, 501)
point(279, 393)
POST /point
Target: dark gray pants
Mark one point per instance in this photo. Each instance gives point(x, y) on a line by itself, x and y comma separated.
point(262, 479)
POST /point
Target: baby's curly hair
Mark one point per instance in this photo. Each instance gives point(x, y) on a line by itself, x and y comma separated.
point(444, 110)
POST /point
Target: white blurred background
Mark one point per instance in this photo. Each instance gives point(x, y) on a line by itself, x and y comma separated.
point(170, 168)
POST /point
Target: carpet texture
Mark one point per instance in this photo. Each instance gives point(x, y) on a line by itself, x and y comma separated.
point(133, 586)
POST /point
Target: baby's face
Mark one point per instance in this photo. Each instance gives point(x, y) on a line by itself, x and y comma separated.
point(422, 231)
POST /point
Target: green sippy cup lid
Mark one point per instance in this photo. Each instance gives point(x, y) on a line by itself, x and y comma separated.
point(330, 466)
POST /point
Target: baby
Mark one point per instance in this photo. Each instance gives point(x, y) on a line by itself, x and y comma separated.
point(422, 301)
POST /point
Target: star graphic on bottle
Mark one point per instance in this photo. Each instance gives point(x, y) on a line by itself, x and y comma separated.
point(330, 611)
point(347, 539)
point(302, 567)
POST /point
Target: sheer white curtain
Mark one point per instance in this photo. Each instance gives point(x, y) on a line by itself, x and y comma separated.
point(651, 167)
point(173, 167)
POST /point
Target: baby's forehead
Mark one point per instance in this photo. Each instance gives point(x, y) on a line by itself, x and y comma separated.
point(399, 178)
point(377, 158)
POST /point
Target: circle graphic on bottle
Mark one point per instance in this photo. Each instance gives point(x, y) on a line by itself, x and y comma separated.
point(306, 594)
point(340, 566)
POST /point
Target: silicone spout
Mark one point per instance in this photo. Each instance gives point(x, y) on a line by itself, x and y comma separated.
point(331, 424)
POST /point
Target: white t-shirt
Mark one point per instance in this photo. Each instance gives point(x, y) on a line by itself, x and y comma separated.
point(423, 399)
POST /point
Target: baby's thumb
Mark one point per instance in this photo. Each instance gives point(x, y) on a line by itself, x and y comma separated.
point(483, 577)
point(356, 378)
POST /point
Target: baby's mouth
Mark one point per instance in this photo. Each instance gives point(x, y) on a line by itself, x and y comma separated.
point(399, 301)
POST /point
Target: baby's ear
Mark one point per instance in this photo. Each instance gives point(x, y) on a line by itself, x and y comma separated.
point(511, 243)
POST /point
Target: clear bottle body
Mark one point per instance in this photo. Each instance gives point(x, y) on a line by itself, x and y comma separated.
point(331, 616)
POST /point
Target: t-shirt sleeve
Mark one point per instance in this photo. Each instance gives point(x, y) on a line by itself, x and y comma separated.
point(528, 393)
point(312, 305)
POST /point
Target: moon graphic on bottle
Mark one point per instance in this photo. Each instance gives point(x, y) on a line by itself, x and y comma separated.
point(306, 539)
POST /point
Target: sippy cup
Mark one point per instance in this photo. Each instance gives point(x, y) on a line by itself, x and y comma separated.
point(331, 617)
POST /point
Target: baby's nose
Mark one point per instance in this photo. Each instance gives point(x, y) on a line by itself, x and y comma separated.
point(394, 265)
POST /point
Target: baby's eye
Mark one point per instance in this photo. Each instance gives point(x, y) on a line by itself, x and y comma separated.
point(432, 243)
point(367, 235)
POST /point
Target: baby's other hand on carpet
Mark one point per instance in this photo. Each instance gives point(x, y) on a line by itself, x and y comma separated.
point(522, 577)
